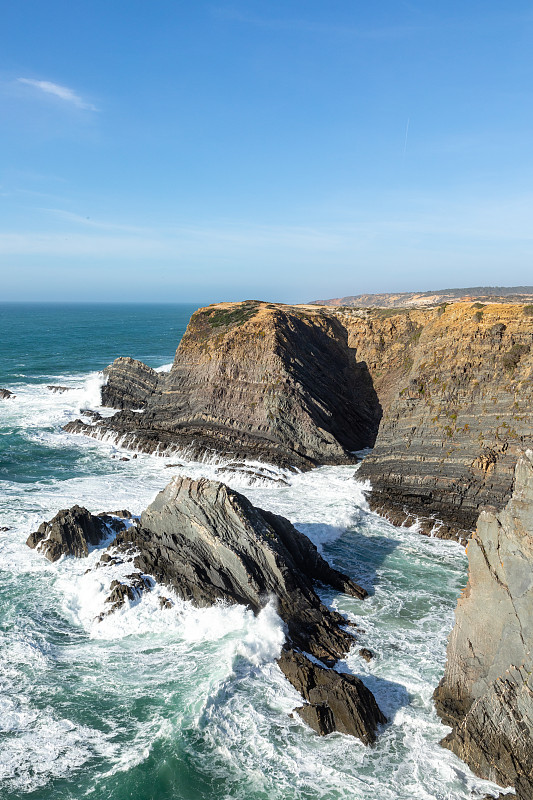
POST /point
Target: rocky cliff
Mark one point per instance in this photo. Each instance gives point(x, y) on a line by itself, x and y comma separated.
point(300, 386)
point(249, 380)
point(456, 387)
point(486, 694)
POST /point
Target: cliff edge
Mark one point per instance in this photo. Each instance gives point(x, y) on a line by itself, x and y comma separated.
point(486, 694)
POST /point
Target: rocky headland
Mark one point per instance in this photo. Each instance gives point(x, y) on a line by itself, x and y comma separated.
point(210, 544)
point(486, 294)
point(486, 694)
point(249, 381)
point(443, 394)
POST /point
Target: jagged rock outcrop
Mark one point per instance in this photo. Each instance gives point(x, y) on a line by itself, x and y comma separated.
point(335, 701)
point(71, 532)
point(56, 389)
point(250, 380)
point(129, 384)
point(5, 394)
point(456, 387)
point(209, 543)
point(486, 694)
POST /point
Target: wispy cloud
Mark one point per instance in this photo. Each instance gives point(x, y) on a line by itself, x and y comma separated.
point(62, 92)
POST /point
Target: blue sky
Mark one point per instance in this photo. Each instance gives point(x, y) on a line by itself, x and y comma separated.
point(198, 151)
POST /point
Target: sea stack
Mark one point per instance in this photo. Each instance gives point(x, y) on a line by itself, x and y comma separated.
point(209, 543)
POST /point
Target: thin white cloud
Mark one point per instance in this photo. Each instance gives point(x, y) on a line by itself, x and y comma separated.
point(63, 92)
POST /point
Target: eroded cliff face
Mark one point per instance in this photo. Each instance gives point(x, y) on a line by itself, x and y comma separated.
point(249, 380)
point(303, 385)
point(456, 387)
point(486, 694)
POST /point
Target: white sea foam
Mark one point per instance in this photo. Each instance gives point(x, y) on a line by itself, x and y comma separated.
point(209, 674)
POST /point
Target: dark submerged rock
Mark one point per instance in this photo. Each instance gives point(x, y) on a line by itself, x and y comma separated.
point(367, 654)
point(60, 389)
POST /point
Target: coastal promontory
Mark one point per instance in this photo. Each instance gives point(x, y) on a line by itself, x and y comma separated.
point(442, 394)
point(249, 380)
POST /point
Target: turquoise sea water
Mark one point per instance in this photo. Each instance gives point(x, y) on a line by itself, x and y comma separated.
point(186, 703)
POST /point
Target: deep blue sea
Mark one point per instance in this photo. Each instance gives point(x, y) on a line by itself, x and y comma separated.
point(186, 703)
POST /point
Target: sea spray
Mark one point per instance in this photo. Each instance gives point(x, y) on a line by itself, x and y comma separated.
point(186, 702)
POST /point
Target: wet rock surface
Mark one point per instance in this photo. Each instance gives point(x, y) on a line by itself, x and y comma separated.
point(486, 694)
point(70, 533)
point(335, 701)
point(59, 389)
point(5, 394)
point(209, 543)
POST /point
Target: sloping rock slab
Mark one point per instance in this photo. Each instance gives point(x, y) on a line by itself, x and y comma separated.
point(70, 533)
point(210, 543)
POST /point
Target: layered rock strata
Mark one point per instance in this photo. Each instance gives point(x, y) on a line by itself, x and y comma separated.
point(456, 387)
point(300, 386)
point(209, 543)
point(486, 694)
point(249, 380)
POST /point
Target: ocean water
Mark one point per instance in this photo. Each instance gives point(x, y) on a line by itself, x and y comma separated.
point(188, 703)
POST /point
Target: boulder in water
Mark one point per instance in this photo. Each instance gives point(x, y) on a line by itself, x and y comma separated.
point(70, 533)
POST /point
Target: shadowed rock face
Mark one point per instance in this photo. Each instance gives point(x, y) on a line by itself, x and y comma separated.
point(486, 694)
point(249, 380)
point(69, 533)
